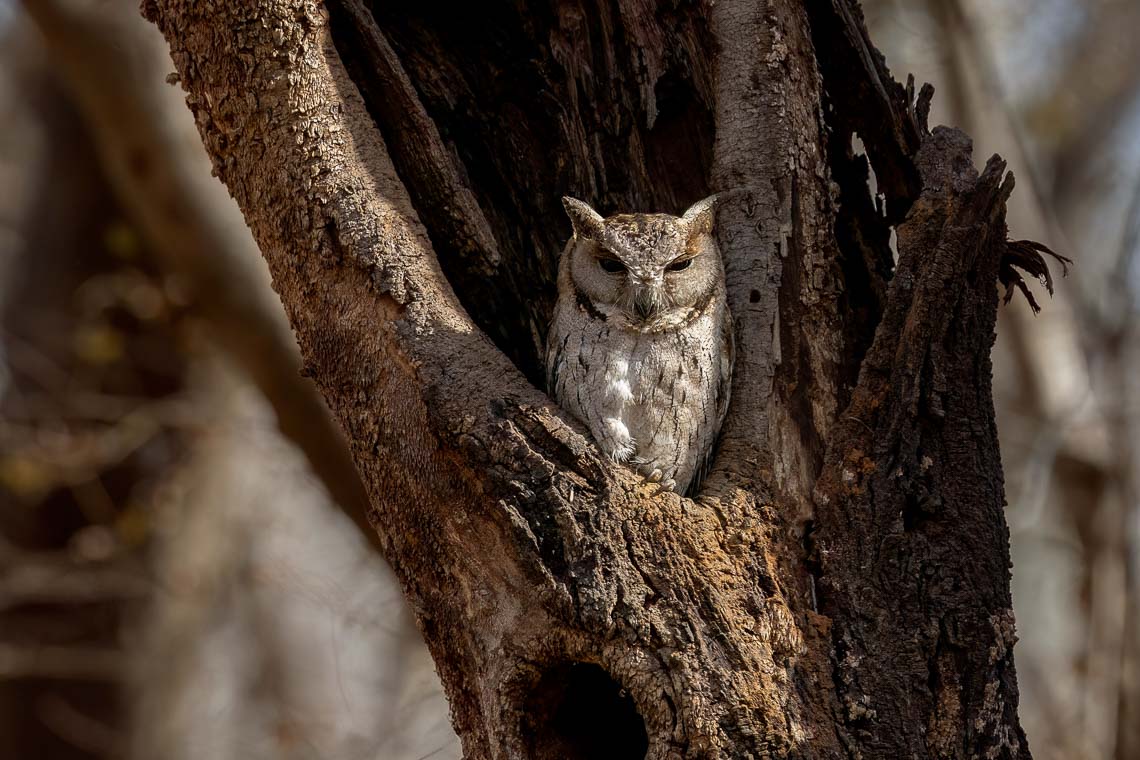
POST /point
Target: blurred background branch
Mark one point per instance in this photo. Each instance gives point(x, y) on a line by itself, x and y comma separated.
point(150, 149)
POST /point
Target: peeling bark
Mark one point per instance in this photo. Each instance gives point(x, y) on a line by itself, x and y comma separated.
point(401, 166)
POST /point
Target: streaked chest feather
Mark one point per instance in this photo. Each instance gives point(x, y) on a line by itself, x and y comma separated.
point(634, 376)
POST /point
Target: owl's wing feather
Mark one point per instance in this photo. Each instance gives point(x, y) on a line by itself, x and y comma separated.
point(727, 361)
point(554, 360)
point(727, 358)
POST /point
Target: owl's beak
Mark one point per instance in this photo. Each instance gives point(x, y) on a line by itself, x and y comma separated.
point(646, 303)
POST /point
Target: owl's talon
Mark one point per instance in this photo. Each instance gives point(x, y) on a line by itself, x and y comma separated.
point(653, 475)
point(648, 470)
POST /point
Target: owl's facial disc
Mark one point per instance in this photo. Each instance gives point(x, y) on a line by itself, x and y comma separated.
point(649, 270)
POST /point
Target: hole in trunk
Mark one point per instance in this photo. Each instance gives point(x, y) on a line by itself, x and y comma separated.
point(577, 711)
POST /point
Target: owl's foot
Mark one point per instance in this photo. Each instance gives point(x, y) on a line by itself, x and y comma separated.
point(654, 474)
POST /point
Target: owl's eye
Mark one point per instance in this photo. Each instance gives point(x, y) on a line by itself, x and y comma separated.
point(678, 266)
point(613, 266)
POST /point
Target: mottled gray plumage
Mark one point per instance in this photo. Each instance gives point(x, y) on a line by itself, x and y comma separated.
point(640, 348)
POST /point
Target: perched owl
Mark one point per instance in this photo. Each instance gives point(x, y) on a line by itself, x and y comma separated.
point(641, 345)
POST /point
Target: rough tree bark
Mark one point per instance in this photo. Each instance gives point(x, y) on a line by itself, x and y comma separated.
point(840, 587)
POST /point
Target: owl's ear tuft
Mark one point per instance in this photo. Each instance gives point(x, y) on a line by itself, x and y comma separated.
point(587, 222)
point(699, 217)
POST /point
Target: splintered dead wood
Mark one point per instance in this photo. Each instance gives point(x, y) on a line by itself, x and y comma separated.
point(910, 537)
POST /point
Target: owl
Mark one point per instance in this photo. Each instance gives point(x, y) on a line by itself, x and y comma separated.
point(640, 349)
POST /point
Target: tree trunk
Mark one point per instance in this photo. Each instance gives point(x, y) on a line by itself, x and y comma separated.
point(840, 587)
